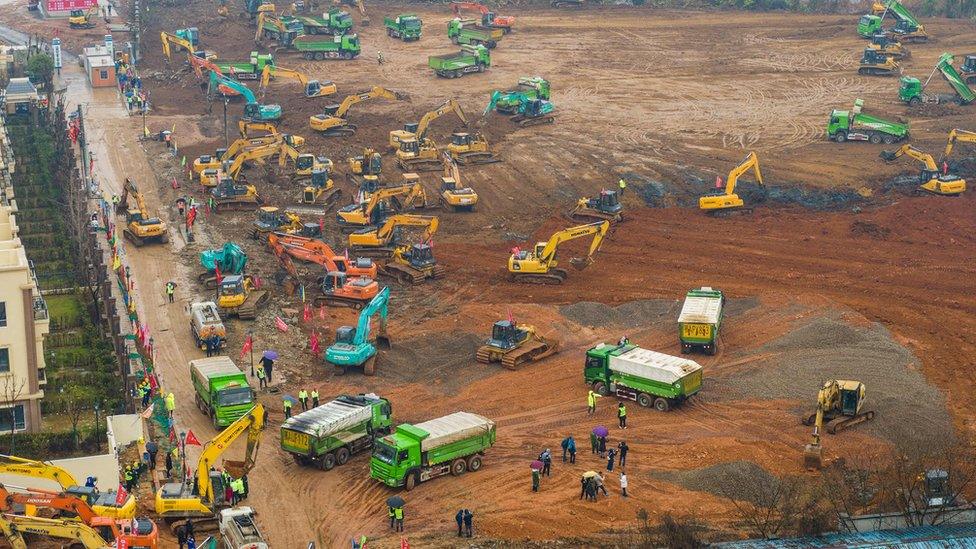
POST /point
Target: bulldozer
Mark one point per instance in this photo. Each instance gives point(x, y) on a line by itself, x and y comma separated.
point(455, 196)
point(271, 219)
point(837, 398)
point(877, 63)
point(365, 170)
point(539, 266)
point(725, 202)
point(232, 196)
point(515, 344)
point(333, 120)
point(238, 296)
point(418, 131)
point(140, 227)
point(930, 178)
point(889, 46)
point(466, 148)
point(381, 204)
point(413, 264)
point(418, 156)
point(382, 241)
point(312, 88)
point(83, 19)
point(605, 206)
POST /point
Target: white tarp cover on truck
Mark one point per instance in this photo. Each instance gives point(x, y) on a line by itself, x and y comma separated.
point(330, 417)
point(701, 309)
point(653, 365)
point(452, 428)
point(215, 366)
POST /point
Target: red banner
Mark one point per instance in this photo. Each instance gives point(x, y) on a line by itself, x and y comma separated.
point(122, 496)
point(64, 5)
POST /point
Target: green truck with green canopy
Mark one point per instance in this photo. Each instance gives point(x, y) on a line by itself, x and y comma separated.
point(318, 48)
point(246, 70)
point(406, 27)
point(454, 65)
point(855, 125)
point(328, 435)
point(907, 27)
point(912, 90)
point(469, 32)
point(700, 320)
point(648, 377)
point(452, 444)
point(333, 22)
point(221, 390)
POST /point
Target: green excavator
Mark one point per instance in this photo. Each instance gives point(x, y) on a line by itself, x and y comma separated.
point(229, 260)
point(528, 111)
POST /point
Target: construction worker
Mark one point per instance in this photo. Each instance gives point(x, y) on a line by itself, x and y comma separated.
point(286, 403)
point(611, 457)
point(170, 404)
point(546, 459)
point(623, 482)
point(572, 450)
point(398, 515)
point(262, 379)
point(622, 185)
point(459, 519)
point(379, 58)
point(238, 486)
point(315, 398)
point(591, 401)
point(392, 515)
point(468, 523)
point(127, 475)
point(622, 415)
point(623, 340)
point(152, 449)
point(170, 290)
point(623, 453)
point(593, 443)
point(535, 480)
point(303, 398)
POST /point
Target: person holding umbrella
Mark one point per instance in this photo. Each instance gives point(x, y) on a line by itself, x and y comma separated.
point(267, 362)
point(601, 432)
point(395, 511)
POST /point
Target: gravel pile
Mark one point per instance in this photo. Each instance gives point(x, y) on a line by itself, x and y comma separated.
point(711, 479)
point(632, 314)
point(446, 362)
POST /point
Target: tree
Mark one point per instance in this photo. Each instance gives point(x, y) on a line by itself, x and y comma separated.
point(10, 391)
point(769, 506)
point(40, 69)
point(78, 399)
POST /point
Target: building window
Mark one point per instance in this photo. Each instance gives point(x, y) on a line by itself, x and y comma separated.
point(103, 75)
point(4, 360)
point(3, 314)
point(12, 418)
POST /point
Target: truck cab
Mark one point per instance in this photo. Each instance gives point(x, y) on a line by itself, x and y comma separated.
point(838, 121)
point(868, 25)
point(395, 455)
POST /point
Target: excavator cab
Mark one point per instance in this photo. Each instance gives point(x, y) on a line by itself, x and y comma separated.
point(232, 291)
point(420, 256)
point(969, 65)
point(608, 201)
point(505, 334)
point(332, 281)
point(461, 139)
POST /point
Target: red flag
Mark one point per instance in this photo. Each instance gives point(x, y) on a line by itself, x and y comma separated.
point(346, 253)
point(174, 184)
point(246, 348)
point(217, 272)
point(313, 344)
point(172, 435)
point(191, 439)
point(404, 544)
point(322, 313)
point(91, 165)
point(280, 324)
point(307, 313)
point(321, 225)
point(510, 317)
point(121, 496)
point(191, 216)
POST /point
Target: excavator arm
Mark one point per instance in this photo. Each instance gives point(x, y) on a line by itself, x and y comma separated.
point(450, 105)
point(925, 158)
point(167, 39)
point(456, 7)
point(375, 93)
point(246, 126)
point(378, 305)
point(599, 230)
point(406, 220)
point(956, 135)
point(13, 465)
point(751, 162)
point(56, 528)
point(46, 498)
point(252, 422)
point(217, 80)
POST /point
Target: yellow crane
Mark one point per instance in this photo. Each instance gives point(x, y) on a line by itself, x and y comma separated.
point(313, 88)
point(177, 500)
point(539, 265)
point(836, 398)
point(141, 227)
point(333, 120)
point(381, 203)
point(454, 195)
point(930, 178)
point(418, 131)
point(725, 201)
point(103, 504)
point(383, 240)
point(955, 135)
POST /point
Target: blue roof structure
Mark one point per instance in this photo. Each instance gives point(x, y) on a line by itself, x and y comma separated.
point(961, 536)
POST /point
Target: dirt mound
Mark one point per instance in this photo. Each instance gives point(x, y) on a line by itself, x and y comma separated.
point(444, 361)
point(873, 230)
point(711, 479)
point(632, 314)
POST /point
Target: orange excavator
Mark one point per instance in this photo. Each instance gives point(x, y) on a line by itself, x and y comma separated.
point(336, 288)
point(312, 250)
point(137, 532)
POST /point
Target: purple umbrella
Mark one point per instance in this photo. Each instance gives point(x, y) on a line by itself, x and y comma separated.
point(536, 465)
point(270, 355)
point(601, 431)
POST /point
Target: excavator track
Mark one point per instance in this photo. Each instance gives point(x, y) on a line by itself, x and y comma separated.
point(729, 212)
point(339, 301)
point(530, 351)
point(847, 423)
point(420, 165)
point(406, 274)
point(342, 131)
point(876, 71)
point(255, 300)
point(588, 215)
point(486, 354)
point(554, 276)
point(472, 158)
point(236, 205)
point(526, 121)
point(377, 252)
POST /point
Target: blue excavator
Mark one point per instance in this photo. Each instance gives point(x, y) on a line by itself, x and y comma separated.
point(530, 111)
point(230, 259)
point(353, 346)
point(253, 111)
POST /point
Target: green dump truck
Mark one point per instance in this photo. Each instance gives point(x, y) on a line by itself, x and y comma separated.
point(413, 454)
point(328, 435)
point(407, 27)
point(912, 90)
point(469, 32)
point(648, 377)
point(854, 125)
point(454, 65)
point(221, 388)
point(246, 70)
point(327, 47)
point(333, 22)
point(700, 320)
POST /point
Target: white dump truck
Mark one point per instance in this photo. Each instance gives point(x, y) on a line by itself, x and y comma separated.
point(238, 530)
point(204, 322)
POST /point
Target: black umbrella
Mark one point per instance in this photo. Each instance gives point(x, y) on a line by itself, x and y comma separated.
point(395, 501)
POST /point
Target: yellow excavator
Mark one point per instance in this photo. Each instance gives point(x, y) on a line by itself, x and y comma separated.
point(169, 40)
point(725, 201)
point(963, 136)
point(83, 19)
point(836, 398)
point(232, 168)
point(316, 172)
point(141, 228)
point(313, 88)
point(364, 170)
point(468, 148)
point(931, 179)
point(539, 266)
point(216, 160)
point(102, 503)
point(333, 120)
point(418, 131)
point(419, 156)
point(454, 195)
point(381, 204)
point(383, 240)
point(78, 534)
point(178, 501)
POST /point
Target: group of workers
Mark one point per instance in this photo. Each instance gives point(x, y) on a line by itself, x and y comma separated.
point(303, 397)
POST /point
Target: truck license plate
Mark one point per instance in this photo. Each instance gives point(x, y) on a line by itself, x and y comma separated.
point(698, 331)
point(294, 439)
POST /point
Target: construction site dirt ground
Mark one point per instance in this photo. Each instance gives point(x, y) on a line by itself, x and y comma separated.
point(845, 275)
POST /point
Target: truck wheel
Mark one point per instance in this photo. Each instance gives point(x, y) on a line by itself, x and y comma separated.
point(491, 44)
point(411, 482)
point(309, 56)
point(644, 400)
point(389, 32)
point(342, 455)
point(216, 423)
point(328, 462)
point(454, 41)
point(301, 460)
point(600, 388)
point(840, 137)
point(685, 348)
point(915, 101)
point(474, 463)
point(888, 139)
point(661, 404)
point(875, 138)
point(458, 467)
point(319, 56)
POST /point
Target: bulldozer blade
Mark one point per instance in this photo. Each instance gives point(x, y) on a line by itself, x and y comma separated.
point(813, 456)
point(581, 263)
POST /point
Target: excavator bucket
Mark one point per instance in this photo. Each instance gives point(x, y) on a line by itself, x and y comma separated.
point(813, 456)
point(580, 263)
point(888, 156)
point(382, 339)
point(234, 468)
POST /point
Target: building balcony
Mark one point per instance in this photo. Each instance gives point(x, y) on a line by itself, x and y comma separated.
point(40, 309)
